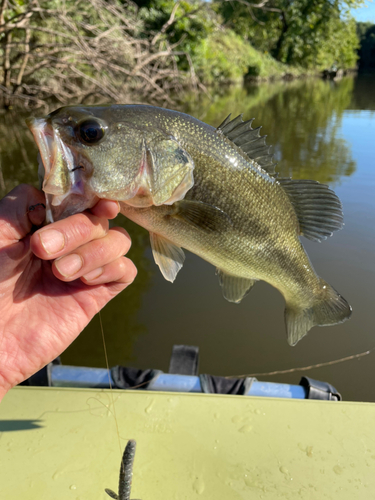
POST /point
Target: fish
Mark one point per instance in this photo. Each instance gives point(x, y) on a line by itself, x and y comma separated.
point(211, 191)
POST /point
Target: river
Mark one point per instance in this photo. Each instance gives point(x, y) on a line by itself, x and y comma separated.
point(320, 130)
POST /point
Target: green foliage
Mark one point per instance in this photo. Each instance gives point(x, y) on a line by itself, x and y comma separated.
point(193, 21)
point(225, 57)
point(308, 33)
point(340, 48)
point(260, 31)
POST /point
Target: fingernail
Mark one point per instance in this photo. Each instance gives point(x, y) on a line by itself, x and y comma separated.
point(69, 265)
point(53, 241)
point(93, 274)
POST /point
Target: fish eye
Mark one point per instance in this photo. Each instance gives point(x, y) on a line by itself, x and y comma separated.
point(90, 131)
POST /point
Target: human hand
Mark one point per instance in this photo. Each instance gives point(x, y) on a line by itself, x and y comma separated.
point(53, 282)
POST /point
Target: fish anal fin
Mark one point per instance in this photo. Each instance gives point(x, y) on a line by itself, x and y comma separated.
point(169, 257)
point(234, 288)
point(248, 140)
point(111, 493)
point(201, 215)
point(328, 308)
point(318, 209)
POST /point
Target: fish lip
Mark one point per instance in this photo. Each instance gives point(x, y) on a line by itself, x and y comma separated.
point(43, 135)
point(49, 144)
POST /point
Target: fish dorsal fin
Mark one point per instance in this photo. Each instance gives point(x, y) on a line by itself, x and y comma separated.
point(169, 257)
point(318, 209)
point(249, 140)
point(234, 288)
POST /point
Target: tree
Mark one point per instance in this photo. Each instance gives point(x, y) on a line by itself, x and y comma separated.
point(296, 32)
point(84, 50)
point(366, 34)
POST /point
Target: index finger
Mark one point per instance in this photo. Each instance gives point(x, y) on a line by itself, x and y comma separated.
point(15, 219)
point(63, 236)
point(106, 208)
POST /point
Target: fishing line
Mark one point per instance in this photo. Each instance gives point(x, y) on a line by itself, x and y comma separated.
point(110, 383)
point(303, 368)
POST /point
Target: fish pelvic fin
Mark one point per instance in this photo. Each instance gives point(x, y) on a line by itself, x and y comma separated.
point(318, 209)
point(234, 288)
point(168, 256)
point(329, 308)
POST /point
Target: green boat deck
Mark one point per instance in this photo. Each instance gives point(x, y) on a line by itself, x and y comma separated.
point(62, 444)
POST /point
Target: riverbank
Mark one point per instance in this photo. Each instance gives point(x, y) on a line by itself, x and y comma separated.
point(102, 51)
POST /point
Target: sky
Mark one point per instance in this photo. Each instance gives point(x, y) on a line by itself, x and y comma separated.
point(366, 13)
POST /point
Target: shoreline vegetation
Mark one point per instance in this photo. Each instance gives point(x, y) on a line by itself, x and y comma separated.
point(159, 51)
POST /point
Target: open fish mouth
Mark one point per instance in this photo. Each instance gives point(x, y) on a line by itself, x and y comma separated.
point(74, 173)
point(43, 135)
point(60, 172)
point(57, 159)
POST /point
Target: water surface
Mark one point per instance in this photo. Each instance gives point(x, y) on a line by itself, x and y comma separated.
point(320, 130)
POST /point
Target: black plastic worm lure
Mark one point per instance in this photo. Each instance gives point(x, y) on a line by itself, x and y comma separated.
point(126, 473)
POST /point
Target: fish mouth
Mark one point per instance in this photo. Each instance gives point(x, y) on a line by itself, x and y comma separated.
point(43, 135)
point(60, 172)
point(56, 158)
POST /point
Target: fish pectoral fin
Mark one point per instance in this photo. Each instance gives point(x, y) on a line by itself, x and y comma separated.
point(201, 215)
point(318, 209)
point(234, 288)
point(111, 493)
point(168, 256)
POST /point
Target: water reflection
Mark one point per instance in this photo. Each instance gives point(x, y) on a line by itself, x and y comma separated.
point(301, 120)
point(363, 96)
point(17, 153)
point(121, 325)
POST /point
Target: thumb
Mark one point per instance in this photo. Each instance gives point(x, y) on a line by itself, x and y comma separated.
point(16, 220)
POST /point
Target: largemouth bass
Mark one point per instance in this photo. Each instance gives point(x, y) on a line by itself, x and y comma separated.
point(211, 191)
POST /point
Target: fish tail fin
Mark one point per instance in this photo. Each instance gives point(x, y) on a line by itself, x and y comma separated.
point(328, 308)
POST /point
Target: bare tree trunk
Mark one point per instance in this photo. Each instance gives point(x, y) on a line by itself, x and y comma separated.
point(24, 62)
point(3, 5)
point(7, 69)
point(278, 49)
